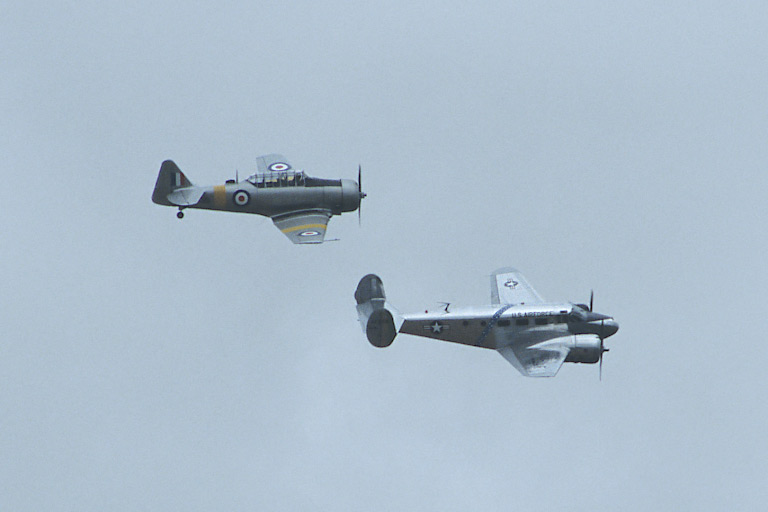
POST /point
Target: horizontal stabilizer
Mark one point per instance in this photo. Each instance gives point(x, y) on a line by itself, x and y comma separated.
point(186, 196)
point(379, 320)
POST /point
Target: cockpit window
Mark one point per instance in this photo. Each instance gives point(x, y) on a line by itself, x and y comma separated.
point(577, 315)
point(278, 179)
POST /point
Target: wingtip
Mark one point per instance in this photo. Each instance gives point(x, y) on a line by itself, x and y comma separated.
point(504, 270)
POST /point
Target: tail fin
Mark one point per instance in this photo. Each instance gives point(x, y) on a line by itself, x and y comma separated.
point(379, 320)
point(169, 178)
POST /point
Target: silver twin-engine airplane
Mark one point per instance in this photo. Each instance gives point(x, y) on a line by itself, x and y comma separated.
point(299, 205)
point(537, 337)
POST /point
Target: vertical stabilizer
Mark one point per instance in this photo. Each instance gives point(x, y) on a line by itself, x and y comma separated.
point(169, 179)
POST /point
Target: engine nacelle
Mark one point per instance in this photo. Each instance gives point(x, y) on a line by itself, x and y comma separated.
point(350, 196)
point(379, 320)
point(585, 348)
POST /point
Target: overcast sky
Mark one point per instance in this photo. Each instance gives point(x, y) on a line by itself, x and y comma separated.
point(148, 363)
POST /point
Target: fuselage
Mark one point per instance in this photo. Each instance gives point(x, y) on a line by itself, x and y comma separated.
point(281, 195)
point(497, 325)
point(535, 336)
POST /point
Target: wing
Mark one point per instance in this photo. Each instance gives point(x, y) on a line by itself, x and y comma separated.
point(509, 286)
point(272, 163)
point(535, 355)
point(306, 227)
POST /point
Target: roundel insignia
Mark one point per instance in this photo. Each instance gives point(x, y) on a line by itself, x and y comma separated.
point(279, 166)
point(309, 233)
point(241, 198)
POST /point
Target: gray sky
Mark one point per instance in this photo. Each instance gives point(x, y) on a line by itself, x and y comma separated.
point(151, 364)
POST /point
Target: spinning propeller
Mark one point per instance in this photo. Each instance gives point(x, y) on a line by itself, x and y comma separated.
point(603, 350)
point(600, 335)
point(362, 194)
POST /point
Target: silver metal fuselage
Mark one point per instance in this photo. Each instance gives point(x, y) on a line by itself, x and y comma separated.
point(535, 336)
point(489, 326)
point(496, 326)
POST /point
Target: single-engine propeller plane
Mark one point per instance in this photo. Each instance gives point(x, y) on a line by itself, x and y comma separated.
point(299, 205)
point(535, 336)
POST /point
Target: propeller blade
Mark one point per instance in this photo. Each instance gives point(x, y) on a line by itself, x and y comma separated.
point(591, 299)
point(361, 193)
point(600, 366)
point(603, 350)
point(602, 344)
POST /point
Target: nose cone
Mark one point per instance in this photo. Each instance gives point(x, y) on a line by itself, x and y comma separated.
point(605, 326)
point(610, 327)
point(351, 196)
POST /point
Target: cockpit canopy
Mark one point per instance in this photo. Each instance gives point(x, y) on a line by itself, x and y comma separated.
point(578, 313)
point(581, 313)
point(290, 178)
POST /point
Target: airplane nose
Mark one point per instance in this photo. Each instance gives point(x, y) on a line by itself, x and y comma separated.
point(610, 327)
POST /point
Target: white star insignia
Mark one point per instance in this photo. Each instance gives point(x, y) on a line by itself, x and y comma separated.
point(437, 327)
